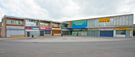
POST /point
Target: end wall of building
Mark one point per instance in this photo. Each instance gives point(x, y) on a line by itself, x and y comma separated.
point(3, 28)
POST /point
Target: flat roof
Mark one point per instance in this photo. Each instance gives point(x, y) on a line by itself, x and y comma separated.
point(22, 18)
point(101, 17)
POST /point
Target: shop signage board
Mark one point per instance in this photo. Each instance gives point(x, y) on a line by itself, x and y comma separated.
point(106, 28)
point(104, 20)
point(45, 28)
point(14, 27)
point(42, 28)
point(32, 28)
point(80, 29)
point(123, 28)
point(81, 22)
point(65, 29)
point(56, 28)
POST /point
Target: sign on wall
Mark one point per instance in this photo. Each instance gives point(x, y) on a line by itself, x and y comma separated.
point(123, 28)
point(45, 28)
point(32, 28)
point(56, 28)
point(104, 20)
point(81, 22)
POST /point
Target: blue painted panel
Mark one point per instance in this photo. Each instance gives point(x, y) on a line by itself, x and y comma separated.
point(106, 33)
point(79, 26)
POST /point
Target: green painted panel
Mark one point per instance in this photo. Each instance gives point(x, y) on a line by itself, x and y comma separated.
point(81, 22)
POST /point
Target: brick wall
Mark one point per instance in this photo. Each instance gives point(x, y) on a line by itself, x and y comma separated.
point(3, 28)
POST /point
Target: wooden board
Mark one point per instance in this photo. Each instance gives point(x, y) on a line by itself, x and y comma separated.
point(57, 34)
point(47, 34)
point(16, 36)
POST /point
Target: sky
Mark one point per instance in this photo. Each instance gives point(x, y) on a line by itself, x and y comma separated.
point(65, 10)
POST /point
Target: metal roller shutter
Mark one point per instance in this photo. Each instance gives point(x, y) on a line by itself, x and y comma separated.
point(93, 32)
point(74, 32)
point(14, 32)
point(20, 32)
point(106, 33)
point(8, 33)
point(83, 33)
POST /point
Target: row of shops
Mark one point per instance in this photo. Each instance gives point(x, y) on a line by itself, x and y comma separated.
point(103, 32)
point(21, 31)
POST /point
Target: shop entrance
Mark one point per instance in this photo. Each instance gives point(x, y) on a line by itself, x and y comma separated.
point(41, 33)
point(28, 34)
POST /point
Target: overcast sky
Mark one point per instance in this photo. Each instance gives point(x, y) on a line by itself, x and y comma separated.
point(63, 10)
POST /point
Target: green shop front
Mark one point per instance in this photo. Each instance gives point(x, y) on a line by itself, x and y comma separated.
point(78, 28)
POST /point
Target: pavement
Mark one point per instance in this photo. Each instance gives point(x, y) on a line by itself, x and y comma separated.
point(66, 39)
point(69, 46)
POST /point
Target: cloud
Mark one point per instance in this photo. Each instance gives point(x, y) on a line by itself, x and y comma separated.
point(61, 10)
point(2, 12)
point(24, 8)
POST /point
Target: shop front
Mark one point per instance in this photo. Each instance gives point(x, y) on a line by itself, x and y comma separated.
point(82, 32)
point(106, 32)
point(56, 31)
point(14, 31)
point(93, 32)
point(78, 28)
point(75, 31)
point(45, 31)
point(79, 32)
point(123, 32)
point(65, 31)
point(32, 31)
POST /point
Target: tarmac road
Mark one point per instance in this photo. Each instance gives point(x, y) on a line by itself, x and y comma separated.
point(123, 48)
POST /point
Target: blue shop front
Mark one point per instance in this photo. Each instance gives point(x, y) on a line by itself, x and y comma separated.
point(32, 31)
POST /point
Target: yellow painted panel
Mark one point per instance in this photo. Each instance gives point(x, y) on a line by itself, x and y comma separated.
point(123, 28)
point(16, 35)
point(104, 20)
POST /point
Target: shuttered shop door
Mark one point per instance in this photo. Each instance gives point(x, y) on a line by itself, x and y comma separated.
point(11, 32)
point(93, 32)
point(20, 32)
point(96, 32)
point(34, 32)
point(74, 32)
point(83, 33)
point(14, 32)
point(8, 33)
point(106, 33)
point(65, 32)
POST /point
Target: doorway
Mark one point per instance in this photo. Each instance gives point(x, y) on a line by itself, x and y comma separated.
point(28, 34)
point(41, 33)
